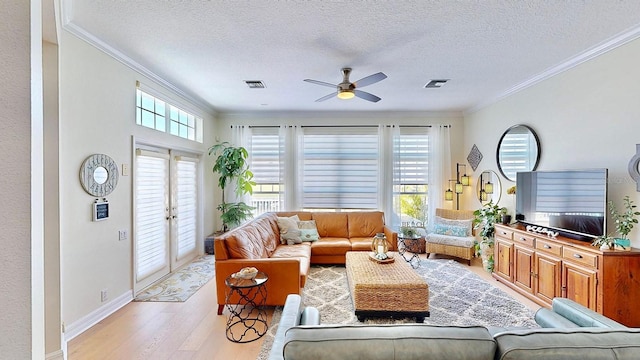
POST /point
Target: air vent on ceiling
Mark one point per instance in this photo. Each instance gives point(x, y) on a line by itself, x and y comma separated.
point(255, 84)
point(435, 83)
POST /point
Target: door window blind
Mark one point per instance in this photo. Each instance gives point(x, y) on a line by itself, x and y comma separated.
point(152, 205)
point(340, 169)
point(186, 207)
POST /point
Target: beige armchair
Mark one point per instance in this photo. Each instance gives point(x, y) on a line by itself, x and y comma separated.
point(460, 247)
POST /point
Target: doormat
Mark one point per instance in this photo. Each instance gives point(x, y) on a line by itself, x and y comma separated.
point(183, 283)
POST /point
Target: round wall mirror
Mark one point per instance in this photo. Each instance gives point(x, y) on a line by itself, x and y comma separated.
point(518, 150)
point(489, 187)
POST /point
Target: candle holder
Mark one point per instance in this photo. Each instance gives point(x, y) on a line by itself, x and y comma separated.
point(379, 246)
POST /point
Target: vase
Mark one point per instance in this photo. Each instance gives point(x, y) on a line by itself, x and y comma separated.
point(605, 247)
point(506, 219)
point(622, 244)
point(486, 254)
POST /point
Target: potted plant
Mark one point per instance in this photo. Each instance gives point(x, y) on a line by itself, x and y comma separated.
point(484, 220)
point(409, 232)
point(231, 166)
point(624, 223)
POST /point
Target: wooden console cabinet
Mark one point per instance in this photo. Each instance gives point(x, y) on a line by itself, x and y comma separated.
point(541, 268)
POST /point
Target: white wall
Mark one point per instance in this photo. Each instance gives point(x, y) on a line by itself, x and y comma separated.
point(587, 117)
point(52, 199)
point(97, 115)
point(16, 293)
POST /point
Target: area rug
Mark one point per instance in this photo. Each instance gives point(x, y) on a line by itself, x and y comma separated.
point(457, 296)
point(183, 283)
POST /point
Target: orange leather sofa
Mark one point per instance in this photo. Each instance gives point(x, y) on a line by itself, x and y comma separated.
point(257, 243)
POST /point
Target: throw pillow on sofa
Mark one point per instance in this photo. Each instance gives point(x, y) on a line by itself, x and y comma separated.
point(289, 232)
point(450, 230)
point(466, 224)
point(308, 230)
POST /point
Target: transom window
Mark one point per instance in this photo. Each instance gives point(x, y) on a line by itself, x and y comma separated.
point(153, 113)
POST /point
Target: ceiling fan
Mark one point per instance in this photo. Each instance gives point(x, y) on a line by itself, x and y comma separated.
point(347, 90)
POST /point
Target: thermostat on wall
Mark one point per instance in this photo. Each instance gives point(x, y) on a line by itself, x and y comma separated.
point(100, 210)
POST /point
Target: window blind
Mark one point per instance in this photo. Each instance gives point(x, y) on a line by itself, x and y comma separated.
point(187, 204)
point(265, 158)
point(340, 169)
point(411, 159)
point(152, 204)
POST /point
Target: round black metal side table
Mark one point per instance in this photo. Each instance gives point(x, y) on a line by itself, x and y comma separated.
point(410, 245)
point(247, 318)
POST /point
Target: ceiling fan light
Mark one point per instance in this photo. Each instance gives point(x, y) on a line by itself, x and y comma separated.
point(346, 94)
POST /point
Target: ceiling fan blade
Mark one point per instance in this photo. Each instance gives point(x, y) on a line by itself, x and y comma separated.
point(320, 83)
point(327, 97)
point(365, 95)
point(371, 79)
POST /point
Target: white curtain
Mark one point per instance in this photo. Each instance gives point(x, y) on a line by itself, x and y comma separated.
point(240, 136)
point(290, 138)
point(439, 168)
point(387, 134)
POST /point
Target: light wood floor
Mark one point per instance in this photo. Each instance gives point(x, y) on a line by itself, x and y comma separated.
point(187, 330)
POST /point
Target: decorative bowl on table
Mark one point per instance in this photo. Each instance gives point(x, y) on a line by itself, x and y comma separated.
point(247, 273)
point(382, 258)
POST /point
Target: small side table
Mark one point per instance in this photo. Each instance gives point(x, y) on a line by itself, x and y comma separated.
point(247, 319)
point(411, 245)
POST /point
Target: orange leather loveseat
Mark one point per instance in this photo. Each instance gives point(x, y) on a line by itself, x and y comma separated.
point(257, 243)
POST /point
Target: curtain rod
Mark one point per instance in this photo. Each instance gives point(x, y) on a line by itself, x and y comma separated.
point(337, 126)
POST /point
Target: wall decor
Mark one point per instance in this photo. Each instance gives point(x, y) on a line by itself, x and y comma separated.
point(474, 157)
point(633, 167)
point(518, 150)
point(99, 175)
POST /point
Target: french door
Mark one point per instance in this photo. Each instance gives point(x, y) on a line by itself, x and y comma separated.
point(166, 214)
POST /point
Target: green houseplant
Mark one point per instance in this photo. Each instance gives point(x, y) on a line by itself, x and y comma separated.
point(484, 220)
point(231, 165)
point(409, 232)
point(624, 223)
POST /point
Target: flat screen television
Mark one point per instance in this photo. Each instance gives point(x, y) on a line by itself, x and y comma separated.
point(572, 202)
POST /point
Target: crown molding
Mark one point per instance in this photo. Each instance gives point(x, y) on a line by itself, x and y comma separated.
point(591, 53)
point(340, 114)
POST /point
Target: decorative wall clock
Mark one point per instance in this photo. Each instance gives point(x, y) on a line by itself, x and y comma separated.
point(99, 175)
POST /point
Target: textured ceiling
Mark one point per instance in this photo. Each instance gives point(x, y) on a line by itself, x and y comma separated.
point(208, 48)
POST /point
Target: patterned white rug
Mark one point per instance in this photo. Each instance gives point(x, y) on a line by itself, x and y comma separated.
point(457, 296)
point(183, 283)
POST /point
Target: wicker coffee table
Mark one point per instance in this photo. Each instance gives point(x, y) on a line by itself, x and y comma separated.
point(386, 289)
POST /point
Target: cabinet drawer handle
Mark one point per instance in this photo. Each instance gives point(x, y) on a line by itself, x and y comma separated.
point(547, 246)
point(523, 239)
point(504, 233)
point(577, 256)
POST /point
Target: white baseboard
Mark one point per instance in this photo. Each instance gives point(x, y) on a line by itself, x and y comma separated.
point(56, 355)
point(80, 326)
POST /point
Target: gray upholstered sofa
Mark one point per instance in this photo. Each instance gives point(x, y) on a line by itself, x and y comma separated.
point(301, 336)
